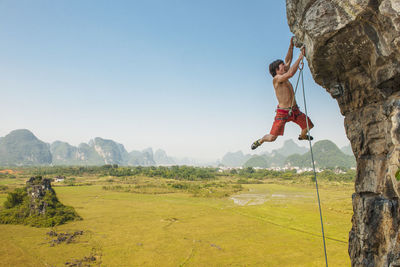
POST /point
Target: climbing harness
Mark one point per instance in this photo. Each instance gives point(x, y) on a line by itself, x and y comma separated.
point(289, 111)
point(312, 155)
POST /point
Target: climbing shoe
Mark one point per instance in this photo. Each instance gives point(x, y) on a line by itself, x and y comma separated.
point(307, 137)
point(255, 144)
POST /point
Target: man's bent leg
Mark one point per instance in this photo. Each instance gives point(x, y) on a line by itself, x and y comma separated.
point(303, 121)
point(268, 138)
point(277, 129)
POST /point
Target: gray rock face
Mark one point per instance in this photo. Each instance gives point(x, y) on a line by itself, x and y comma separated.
point(37, 188)
point(110, 151)
point(353, 50)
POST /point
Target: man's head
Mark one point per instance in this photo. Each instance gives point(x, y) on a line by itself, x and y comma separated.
point(274, 66)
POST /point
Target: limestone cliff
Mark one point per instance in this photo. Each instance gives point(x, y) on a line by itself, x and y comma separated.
point(353, 50)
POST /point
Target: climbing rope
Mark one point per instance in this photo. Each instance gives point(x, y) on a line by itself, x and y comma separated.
point(297, 83)
point(312, 155)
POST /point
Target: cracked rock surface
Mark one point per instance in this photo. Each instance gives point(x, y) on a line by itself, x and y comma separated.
point(353, 50)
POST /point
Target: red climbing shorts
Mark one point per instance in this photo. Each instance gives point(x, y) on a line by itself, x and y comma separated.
point(282, 117)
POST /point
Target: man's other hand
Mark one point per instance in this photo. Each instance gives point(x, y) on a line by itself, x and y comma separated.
point(303, 51)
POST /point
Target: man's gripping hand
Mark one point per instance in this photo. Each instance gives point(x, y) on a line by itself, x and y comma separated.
point(303, 51)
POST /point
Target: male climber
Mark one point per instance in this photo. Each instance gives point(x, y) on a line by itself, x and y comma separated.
point(287, 108)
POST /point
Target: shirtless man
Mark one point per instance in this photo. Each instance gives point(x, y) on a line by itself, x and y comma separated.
point(287, 107)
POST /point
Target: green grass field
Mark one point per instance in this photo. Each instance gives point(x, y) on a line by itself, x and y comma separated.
point(177, 229)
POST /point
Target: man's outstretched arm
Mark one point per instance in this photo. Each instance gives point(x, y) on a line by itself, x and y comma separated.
point(289, 55)
point(292, 70)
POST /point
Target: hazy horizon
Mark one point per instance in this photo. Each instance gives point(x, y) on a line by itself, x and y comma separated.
point(198, 160)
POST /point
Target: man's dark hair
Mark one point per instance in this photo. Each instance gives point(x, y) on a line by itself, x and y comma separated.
point(275, 65)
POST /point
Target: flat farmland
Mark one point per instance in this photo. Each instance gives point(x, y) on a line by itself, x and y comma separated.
point(268, 224)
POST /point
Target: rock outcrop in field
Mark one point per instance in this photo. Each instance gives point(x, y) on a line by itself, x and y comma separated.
point(36, 205)
point(353, 50)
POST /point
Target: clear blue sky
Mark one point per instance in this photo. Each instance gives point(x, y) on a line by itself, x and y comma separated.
point(186, 76)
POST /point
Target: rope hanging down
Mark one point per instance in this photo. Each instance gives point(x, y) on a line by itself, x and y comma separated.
point(312, 155)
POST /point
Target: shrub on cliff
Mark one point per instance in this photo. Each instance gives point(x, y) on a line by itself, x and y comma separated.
point(39, 208)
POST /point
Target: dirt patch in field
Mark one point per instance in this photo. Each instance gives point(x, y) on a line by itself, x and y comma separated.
point(258, 198)
point(85, 261)
point(63, 237)
point(250, 199)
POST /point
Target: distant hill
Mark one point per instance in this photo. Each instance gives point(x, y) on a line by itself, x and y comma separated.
point(21, 147)
point(326, 154)
point(275, 159)
point(111, 151)
point(88, 155)
point(64, 154)
point(161, 158)
point(256, 161)
point(98, 152)
point(236, 159)
point(290, 148)
point(141, 158)
point(347, 150)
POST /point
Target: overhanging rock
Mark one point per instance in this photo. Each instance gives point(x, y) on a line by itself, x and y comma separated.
point(353, 50)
